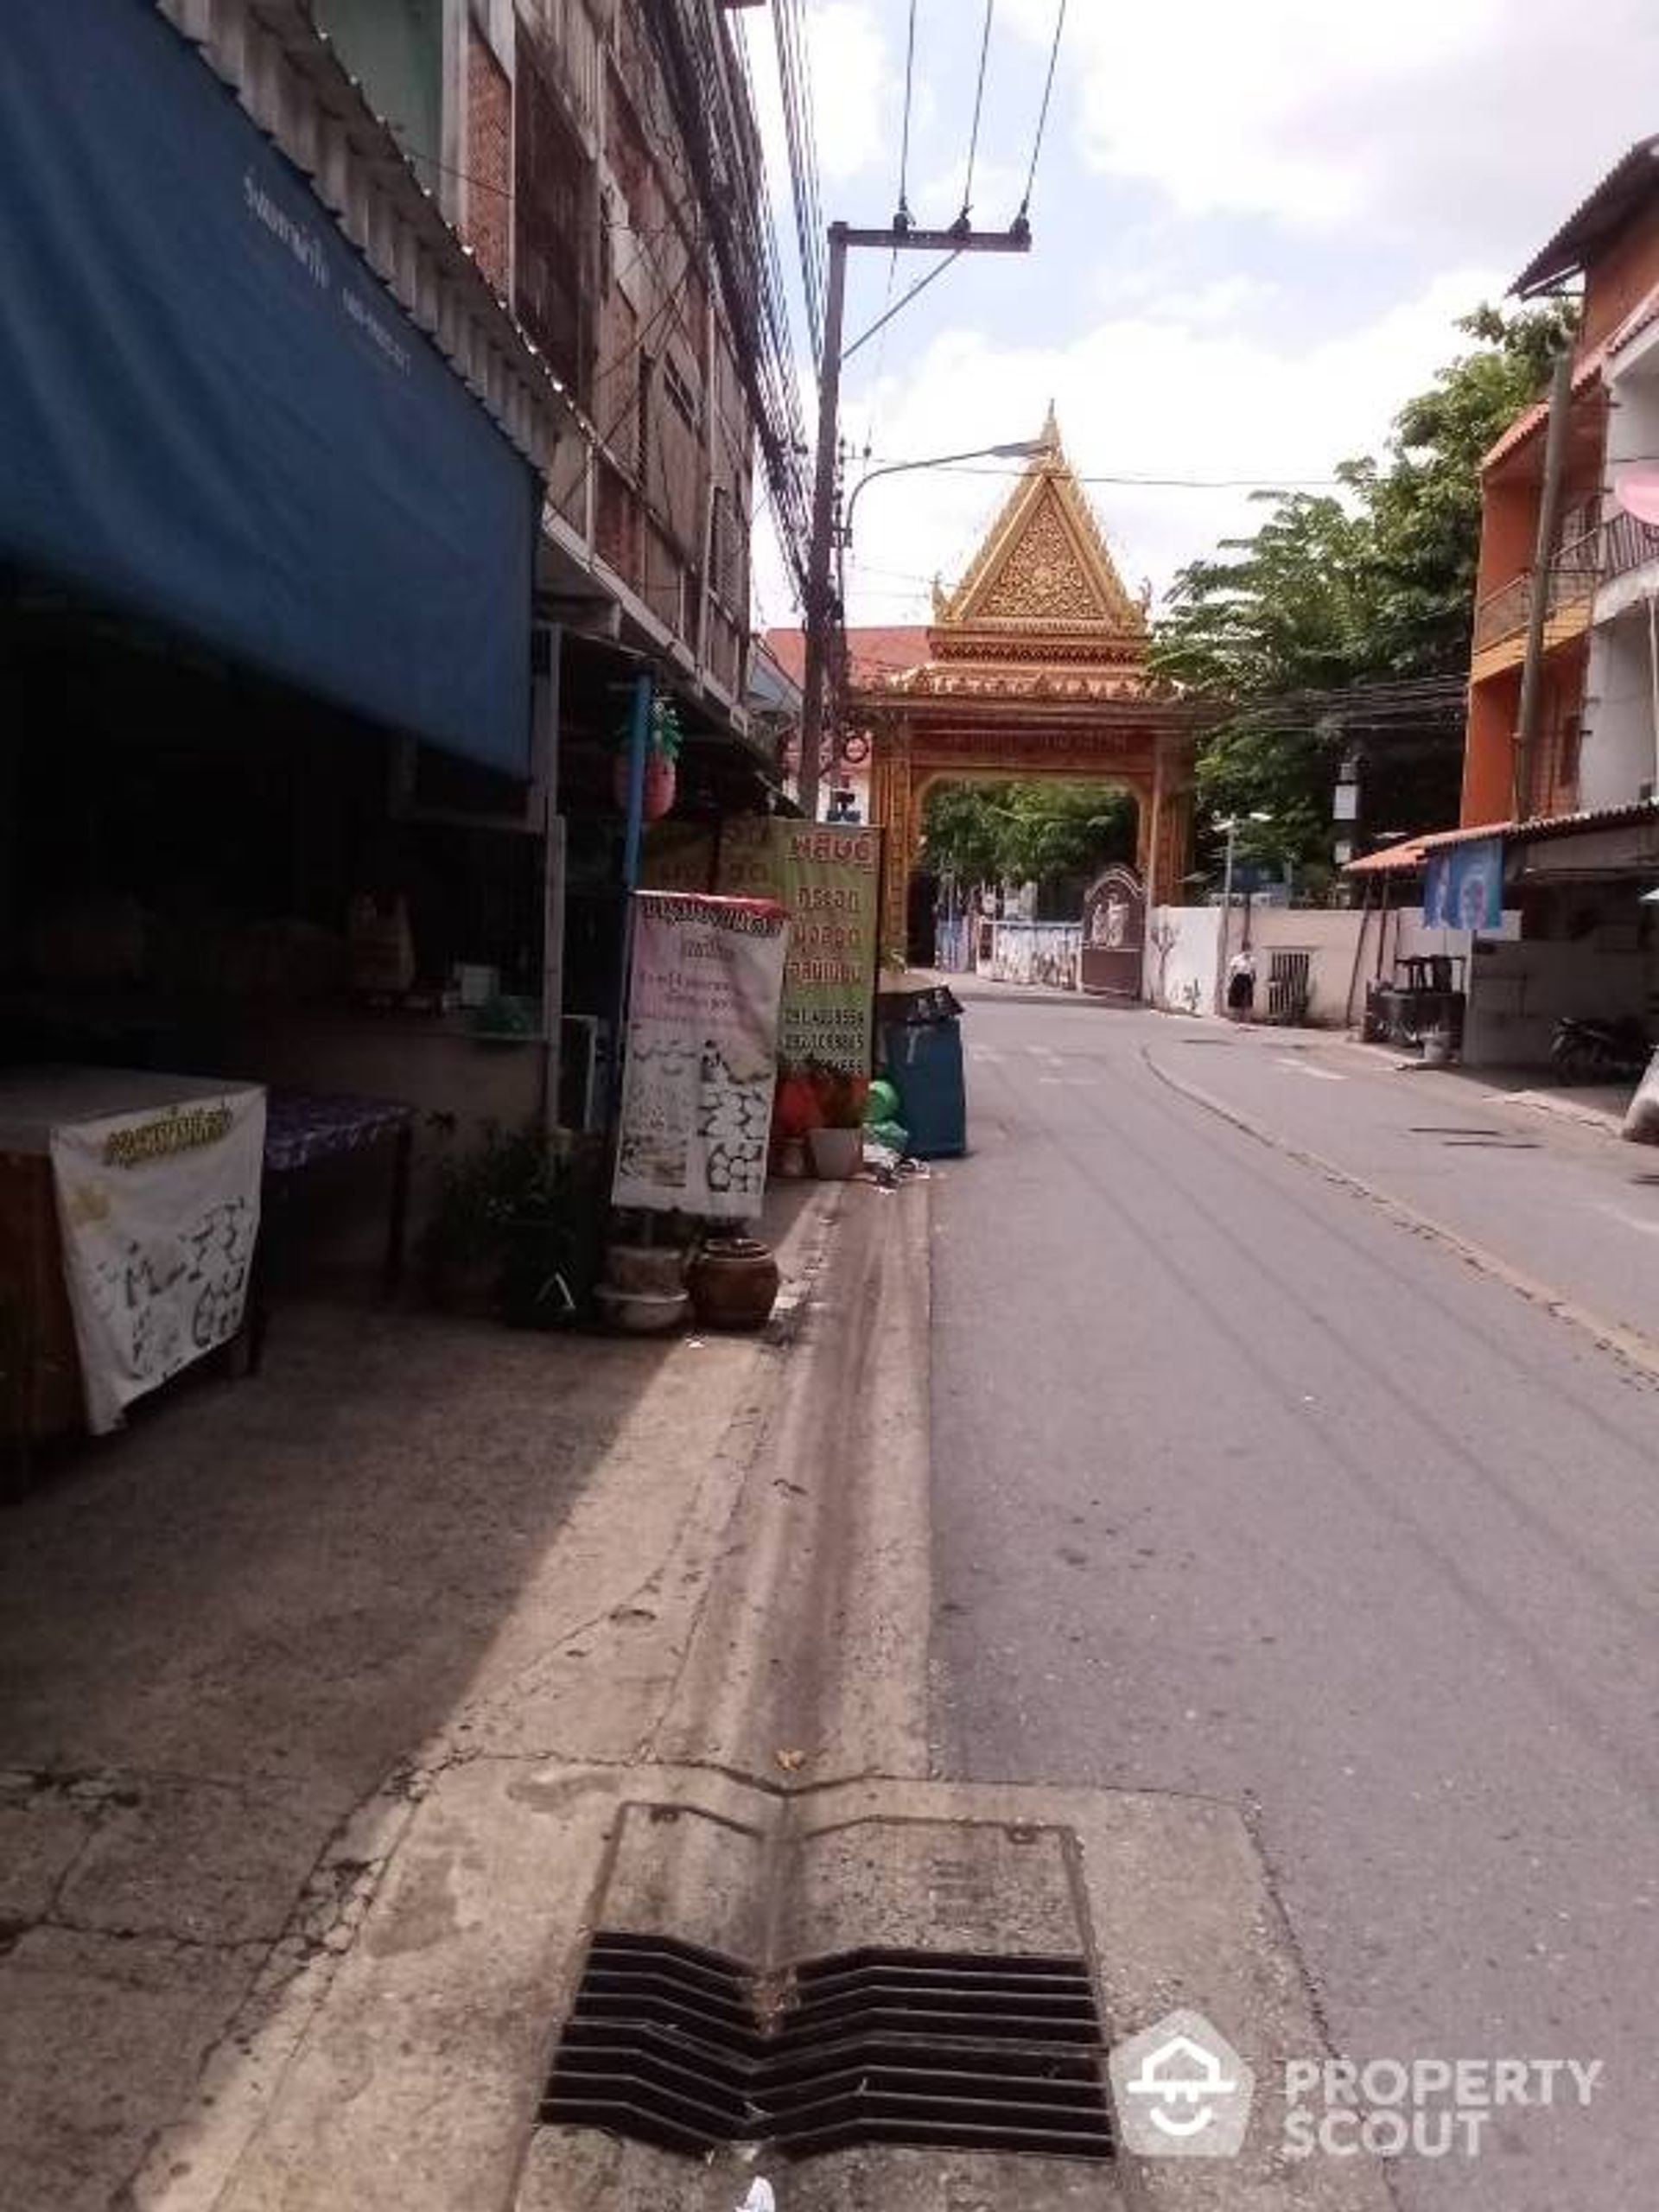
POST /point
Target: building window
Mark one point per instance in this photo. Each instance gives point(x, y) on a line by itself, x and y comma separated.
point(723, 546)
point(553, 226)
point(642, 423)
point(1568, 738)
point(682, 398)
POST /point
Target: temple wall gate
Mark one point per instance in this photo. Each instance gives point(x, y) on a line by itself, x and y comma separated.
point(1035, 667)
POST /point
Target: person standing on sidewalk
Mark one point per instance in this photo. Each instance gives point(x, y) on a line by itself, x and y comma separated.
point(1241, 984)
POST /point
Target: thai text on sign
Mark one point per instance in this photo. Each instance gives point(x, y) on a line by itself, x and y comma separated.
point(702, 1054)
point(827, 880)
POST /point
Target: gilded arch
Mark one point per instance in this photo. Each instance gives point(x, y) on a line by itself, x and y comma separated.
point(1035, 667)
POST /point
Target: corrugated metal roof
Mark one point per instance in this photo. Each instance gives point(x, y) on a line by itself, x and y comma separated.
point(1432, 840)
point(1541, 826)
point(288, 74)
point(1388, 860)
point(1644, 312)
point(1633, 179)
point(1532, 419)
point(1412, 853)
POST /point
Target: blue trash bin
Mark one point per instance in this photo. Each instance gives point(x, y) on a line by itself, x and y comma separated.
point(924, 1064)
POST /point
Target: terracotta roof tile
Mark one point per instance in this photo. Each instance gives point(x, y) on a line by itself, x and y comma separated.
point(876, 653)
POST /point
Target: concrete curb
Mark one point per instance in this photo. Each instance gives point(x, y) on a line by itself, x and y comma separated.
point(1637, 1352)
point(810, 1641)
point(1560, 1106)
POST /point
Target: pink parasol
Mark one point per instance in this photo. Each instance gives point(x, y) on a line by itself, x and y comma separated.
point(1637, 490)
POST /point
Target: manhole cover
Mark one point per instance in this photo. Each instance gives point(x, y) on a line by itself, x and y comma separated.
point(878, 1983)
point(669, 2044)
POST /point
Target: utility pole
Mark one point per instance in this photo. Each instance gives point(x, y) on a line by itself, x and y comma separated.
point(900, 238)
point(1549, 501)
point(1231, 825)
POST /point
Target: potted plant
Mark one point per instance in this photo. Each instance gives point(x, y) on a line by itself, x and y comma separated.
point(551, 1221)
point(796, 1112)
point(664, 739)
point(836, 1142)
point(514, 1226)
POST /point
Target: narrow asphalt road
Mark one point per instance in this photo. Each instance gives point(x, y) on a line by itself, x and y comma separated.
point(1243, 1488)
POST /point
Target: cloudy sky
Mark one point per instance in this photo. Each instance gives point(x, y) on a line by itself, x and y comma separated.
point(1255, 222)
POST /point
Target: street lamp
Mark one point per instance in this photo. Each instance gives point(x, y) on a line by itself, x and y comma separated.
point(1021, 449)
point(1228, 822)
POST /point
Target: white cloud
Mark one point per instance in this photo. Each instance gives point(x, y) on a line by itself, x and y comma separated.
point(1221, 300)
point(1433, 134)
point(1154, 392)
point(1451, 116)
point(854, 97)
point(999, 187)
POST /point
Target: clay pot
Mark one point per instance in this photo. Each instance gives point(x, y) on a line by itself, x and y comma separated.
point(662, 780)
point(656, 1270)
point(837, 1154)
point(640, 1313)
point(734, 1283)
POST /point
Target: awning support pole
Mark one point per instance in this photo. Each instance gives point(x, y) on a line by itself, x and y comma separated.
point(1359, 956)
point(546, 648)
point(638, 746)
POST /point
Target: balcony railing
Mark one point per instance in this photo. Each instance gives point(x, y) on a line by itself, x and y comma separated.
point(1626, 544)
point(1613, 548)
point(1572, 576)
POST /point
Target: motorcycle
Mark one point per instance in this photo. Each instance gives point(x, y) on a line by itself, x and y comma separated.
point(1597, 1052)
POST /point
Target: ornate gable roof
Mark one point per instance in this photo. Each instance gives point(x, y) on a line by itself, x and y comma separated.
point(1042, 572)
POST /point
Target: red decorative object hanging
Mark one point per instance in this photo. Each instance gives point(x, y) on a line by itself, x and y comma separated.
point(662, 778)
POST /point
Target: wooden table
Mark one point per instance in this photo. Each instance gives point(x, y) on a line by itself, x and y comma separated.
point(304, 1128)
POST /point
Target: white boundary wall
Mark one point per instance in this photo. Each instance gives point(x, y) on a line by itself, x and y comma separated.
point(1182, 942)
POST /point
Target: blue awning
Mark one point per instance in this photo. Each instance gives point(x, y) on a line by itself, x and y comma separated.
point(213, 414)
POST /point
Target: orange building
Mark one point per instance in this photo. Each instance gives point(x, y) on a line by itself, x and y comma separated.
point(1612, 245)
point(1566, 839)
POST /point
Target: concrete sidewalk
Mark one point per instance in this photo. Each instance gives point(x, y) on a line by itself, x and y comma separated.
point(235, 1640)
point(1546, 1196)
point(1598, 1106)
point(343, 1707)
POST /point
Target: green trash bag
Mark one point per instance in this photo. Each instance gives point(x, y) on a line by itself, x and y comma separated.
point(881, 1105)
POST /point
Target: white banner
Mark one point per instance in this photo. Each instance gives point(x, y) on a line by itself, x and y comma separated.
point(704, 984)
point(159, 1213)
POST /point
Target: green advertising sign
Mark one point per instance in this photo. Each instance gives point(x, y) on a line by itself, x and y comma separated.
point(827, 878)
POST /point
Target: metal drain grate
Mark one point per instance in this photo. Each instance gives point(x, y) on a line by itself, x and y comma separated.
point(961, 2050)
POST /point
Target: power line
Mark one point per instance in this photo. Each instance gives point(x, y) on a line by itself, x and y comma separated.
point(902, 215)
point(721, 151)
point(1267, 483)
point(794, 76)
point(920, 285)
point(979, 103)
point(1042, 112)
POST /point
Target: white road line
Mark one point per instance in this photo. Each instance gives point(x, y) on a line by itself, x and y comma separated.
point(1300, 1067)
point(1641, 1223)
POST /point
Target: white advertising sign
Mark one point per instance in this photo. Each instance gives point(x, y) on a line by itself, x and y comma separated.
point(158, 1210)
point(705, 985)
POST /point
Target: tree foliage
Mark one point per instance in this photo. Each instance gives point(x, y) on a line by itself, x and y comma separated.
point(1025, 832)
point(1372, 583)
